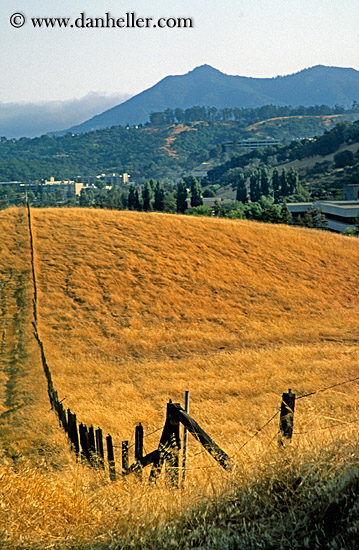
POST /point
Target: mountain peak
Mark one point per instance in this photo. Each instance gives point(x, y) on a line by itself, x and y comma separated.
point(207, 86)
point(205, 69)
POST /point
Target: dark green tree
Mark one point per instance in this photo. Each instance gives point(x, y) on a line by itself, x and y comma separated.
point(196, 193)
point(181, 197)
point(265, 182)
point(272, 214)
point(293, 181)
point(241, 194)
point(131, 201)
point(284, 187)
point(276, 185)
point(255, 190)
point(86, 197)
point(285, 215)
point(315, 218)
point(344, 158)
point(159, 199)
point(138, 205)
point(147, 196)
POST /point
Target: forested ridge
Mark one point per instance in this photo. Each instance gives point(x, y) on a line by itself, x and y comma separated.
point(167, 148)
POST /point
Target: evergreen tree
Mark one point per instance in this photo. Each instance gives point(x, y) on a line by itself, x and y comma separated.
point(310, 218)
point(147, 197)
point(196, 191)
point(241, 194)
point(137, 205)
point(131, 201)
point(124, 200)
point(323, 224)
point(181, 198)
point(272, 214)
point(255, 191)
point(265, 182)
point(276, 185)
point(293, 181)
point(284, 187)
point(315, 218)
point(159, 200)
point(285, 215)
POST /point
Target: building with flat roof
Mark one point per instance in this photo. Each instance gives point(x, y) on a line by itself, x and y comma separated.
point(340, 215)
point(251, 143)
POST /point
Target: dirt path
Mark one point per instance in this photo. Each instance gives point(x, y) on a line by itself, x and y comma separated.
point(14, 299)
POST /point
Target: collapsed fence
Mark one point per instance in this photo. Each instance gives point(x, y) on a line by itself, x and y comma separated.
point(88, 443)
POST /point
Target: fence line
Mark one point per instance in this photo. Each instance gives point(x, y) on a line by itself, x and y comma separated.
point(86, 442)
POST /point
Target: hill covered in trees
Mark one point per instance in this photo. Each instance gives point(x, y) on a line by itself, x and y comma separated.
point(319, 166)
point(174, 143)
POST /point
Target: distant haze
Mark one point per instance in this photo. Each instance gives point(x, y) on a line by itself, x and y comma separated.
point(35, 119)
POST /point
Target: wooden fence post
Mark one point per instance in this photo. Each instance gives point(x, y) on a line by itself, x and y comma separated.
point(99, 448)
point(172, 457)
point(92, 444)
point(75, 435)
point(63, 417)
point(84, 441)
point(179, 414)
point(168, 448)
point(111, 458)
point(286, 420)
point(125, 457)
point(139, 449)
point(72, 431)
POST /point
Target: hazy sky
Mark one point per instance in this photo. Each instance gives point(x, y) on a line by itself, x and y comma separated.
point(259, 38)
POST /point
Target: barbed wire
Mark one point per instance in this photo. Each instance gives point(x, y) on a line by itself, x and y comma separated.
point(328, 388)
point(321, 390)
point(339, 423)
point(258, 431)
point(154, 431)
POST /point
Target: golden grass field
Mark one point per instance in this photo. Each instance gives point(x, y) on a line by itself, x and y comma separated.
point(134, 309)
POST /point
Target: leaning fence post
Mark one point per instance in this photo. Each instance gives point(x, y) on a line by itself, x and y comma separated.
point(286, 420)
point(111, 458)
point(185, 439)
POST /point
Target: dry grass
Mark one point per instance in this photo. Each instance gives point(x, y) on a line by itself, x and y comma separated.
point(137, 308)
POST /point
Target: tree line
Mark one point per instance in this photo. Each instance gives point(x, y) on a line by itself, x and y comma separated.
point(280, 186)
point(155, 196)
point(247, 115)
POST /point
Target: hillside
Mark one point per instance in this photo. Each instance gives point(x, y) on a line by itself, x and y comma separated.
point(134, 309)
point(207, 86)
point(322, 171)
point(166, 151)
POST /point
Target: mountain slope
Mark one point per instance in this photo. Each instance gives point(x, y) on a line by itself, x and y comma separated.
point(209, 87)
